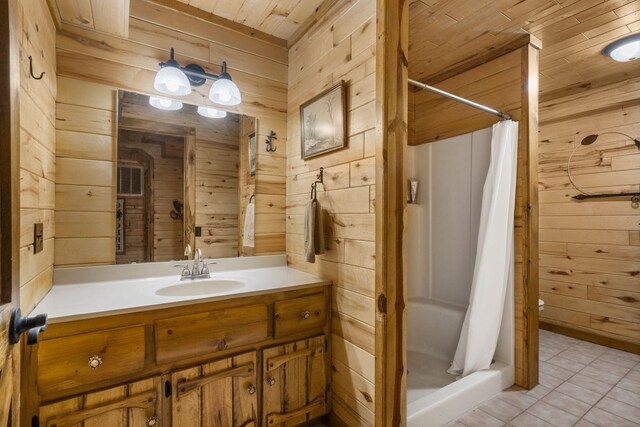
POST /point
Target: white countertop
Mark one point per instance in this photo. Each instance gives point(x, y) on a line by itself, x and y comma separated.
point(110, 291)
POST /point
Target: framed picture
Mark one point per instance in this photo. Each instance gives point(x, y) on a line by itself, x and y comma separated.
point(323, 122)
point(252, 154)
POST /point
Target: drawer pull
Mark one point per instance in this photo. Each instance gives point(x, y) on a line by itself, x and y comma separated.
point(151, 422)
point(251, 389)
point(95, 362)
point(305, 314)
point(271, 381)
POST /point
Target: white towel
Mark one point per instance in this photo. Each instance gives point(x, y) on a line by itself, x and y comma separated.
point(248, 236)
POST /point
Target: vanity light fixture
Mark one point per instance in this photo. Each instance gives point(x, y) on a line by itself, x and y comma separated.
point(624, 50)
point(164, 103)
point(211, 113)
point(173, 79)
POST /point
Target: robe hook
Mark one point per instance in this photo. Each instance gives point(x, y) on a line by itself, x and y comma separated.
point(269, 142)
point(31, 70)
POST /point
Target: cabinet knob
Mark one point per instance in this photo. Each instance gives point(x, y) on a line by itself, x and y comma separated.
point(151, 422)
point(305, 314)
point(251, 389)
point(95, 362)
point(271, 381)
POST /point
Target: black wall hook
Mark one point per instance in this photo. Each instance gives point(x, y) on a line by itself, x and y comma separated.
point(31, 70)
point(269, 142)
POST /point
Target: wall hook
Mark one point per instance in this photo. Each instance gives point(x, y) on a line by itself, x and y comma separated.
point(269, 142)
point(31, 70)
point(319, 180)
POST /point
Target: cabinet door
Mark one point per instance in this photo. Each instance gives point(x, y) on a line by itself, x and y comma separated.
point(216, 394)
point(130, 405)
point(294, 382)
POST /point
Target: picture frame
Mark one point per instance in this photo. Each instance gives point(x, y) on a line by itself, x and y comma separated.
point(323, 122)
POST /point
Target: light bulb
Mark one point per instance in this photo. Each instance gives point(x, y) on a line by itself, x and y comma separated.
point(172, 81)
point(225, 92)
point(164, 103)
point(211, 113)
point(624, 50)
point(225, 96)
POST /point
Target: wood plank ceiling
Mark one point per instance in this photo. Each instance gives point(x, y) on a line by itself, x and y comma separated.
point(279, 18)
point(449, 34)
point(110, 16)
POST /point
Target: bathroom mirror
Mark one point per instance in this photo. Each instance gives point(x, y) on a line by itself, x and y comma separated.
point(184, 176)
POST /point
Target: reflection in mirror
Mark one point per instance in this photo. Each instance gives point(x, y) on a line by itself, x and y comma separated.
point(184, 176)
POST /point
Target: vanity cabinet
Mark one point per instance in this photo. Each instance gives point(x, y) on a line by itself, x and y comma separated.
point(294, 382)
point(220, 393)
point(259, 360)
point(135, 404)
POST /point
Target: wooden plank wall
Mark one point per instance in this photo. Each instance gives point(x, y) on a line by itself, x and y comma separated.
point(92, 66)
point(341, 45)
point(37, 148)
point(590, 251)
point(501, 84)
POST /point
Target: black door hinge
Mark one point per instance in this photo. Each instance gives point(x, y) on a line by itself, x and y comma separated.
point(168, 389)
point(35, 421)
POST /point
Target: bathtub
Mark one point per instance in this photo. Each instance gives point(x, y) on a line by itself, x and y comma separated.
point(434, 397)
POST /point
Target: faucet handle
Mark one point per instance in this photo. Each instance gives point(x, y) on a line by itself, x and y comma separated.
point(185, 270)
point(205, 267)
point(187, 251)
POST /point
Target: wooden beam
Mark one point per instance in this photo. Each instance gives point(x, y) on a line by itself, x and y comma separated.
point(526, 242)
point(391, 165)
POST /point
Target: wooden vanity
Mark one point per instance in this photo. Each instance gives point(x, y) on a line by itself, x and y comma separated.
point(247, 361)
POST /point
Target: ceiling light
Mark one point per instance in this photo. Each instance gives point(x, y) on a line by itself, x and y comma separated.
point(624, 50)
point(211, 113)
point(164, 103)
point(173, 79)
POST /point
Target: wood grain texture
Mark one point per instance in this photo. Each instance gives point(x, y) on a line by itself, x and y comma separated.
point(589, 253)
point(37, 147)
point(93, 65)
point(339, 45)
point(573, 33)
point(110, 17)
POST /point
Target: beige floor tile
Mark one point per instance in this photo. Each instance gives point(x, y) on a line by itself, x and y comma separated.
point(578, 356)
point(625, 396)
point(621, 409)
point(539, 391)
point(501, 410)
point(478, 418)
point(455, 424)
point(590, 383)
point(566, 403)
point(527, 420)
point(555, 371)
point(582, 394)
point(549, 380)
point(554, 416)
point(568, 364)
point(601, 375)
point(633, 375)
point(624, 354)
point(606, 419)
point(584, 423)
point(630, 385)
point(517, 398)
point(610, 368)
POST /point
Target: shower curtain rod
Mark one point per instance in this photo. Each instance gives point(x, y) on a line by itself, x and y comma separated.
point(503, 116)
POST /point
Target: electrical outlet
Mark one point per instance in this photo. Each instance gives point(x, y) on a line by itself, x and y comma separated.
point(198, 231)
point(38, 237)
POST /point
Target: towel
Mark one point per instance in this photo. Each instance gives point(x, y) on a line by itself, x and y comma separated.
point(248, 235)
point(313, 231)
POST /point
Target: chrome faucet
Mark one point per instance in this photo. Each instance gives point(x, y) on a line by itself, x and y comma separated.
point(200, 269)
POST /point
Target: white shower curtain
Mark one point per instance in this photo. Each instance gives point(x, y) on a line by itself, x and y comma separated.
point(494, 256)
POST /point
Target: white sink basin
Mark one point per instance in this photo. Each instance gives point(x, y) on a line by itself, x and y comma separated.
point(199, 287)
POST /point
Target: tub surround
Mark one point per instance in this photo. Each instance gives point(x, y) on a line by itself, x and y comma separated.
point(90, 292)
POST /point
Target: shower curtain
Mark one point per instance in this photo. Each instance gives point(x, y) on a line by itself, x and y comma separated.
point(494, 256)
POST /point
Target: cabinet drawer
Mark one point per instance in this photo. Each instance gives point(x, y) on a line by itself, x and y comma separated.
point(305, 314)
point(205, 333)
point(69, 362)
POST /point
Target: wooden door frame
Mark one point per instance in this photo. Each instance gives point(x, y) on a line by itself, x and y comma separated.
point(10, 30)
point(391, 284)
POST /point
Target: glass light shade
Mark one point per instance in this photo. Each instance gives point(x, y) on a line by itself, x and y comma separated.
point(624, 50)
point(172, 81)
point(225, 92)
point(164, 103)
point(211, 113)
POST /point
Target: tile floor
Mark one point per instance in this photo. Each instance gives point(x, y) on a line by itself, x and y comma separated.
point(581, 384)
